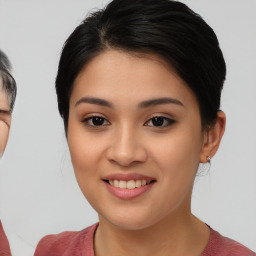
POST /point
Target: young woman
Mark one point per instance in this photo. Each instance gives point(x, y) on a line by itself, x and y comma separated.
point(138, 87)
point(7, 99)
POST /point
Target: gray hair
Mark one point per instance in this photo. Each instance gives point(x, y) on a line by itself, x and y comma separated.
point(9, 84)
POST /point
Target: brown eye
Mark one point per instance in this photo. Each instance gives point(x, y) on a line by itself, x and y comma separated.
point(95, 121)
point(160, 121)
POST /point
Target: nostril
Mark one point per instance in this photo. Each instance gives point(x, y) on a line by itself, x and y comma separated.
point(126, 159)
point(126, 151)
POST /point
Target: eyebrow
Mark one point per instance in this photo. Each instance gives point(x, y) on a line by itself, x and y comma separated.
point(143, 104)
point(95, 101)
point(160, 101)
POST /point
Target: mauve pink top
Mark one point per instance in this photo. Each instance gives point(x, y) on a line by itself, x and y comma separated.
point(4, 244)
point(80, 243)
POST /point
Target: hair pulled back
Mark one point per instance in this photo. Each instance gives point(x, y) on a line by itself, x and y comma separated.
point(163, 27)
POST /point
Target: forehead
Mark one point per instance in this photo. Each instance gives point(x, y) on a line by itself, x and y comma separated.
point(121, 76)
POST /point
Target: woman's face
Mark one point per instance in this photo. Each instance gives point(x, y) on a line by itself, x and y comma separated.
point(135, 138)
point(5, 118)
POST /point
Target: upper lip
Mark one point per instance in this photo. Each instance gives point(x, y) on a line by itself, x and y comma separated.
point(128, 176)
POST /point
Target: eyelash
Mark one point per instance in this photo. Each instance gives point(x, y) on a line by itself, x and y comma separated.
point(90, 119)
point(104, 122)
point(167, 121)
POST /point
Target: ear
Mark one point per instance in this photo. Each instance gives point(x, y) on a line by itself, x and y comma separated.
point(212, 138)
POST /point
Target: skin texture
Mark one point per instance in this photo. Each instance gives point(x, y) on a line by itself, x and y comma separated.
point(5, 118)
point(159, 222)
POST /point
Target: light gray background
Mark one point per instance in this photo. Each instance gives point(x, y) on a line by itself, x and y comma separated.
point(38, 190)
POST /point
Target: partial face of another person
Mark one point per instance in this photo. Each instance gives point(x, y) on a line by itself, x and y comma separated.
point(135, 139)
point(5, 118)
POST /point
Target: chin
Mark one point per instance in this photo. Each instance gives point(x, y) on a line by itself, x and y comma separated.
point(130, 224)
point(129, 220)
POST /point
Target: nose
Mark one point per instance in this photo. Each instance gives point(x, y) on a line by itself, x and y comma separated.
point(126, 148)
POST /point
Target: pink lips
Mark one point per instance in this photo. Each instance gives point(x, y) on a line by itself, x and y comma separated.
point(127, 194)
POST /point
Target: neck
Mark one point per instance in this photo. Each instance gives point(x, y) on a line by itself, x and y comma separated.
point(178, 234)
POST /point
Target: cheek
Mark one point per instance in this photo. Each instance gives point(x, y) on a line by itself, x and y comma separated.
point(4, 133)
point(179, 149)
point(176, 160)
point(86, 153)
point(177, 157)
point(83, 153)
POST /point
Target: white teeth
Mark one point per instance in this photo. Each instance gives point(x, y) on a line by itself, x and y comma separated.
point(131, 184)
point(138, 183)
point(122, 184)
point(116, 183)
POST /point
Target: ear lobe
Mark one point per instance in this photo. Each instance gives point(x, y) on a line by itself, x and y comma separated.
point(212, 138)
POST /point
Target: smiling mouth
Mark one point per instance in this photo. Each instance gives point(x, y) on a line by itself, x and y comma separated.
point(130, 184)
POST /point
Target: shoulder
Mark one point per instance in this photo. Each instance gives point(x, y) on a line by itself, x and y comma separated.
point(219, 245)
point(67, 243)
point(4, 244)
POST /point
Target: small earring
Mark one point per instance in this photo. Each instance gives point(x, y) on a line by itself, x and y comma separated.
point(204, 168)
